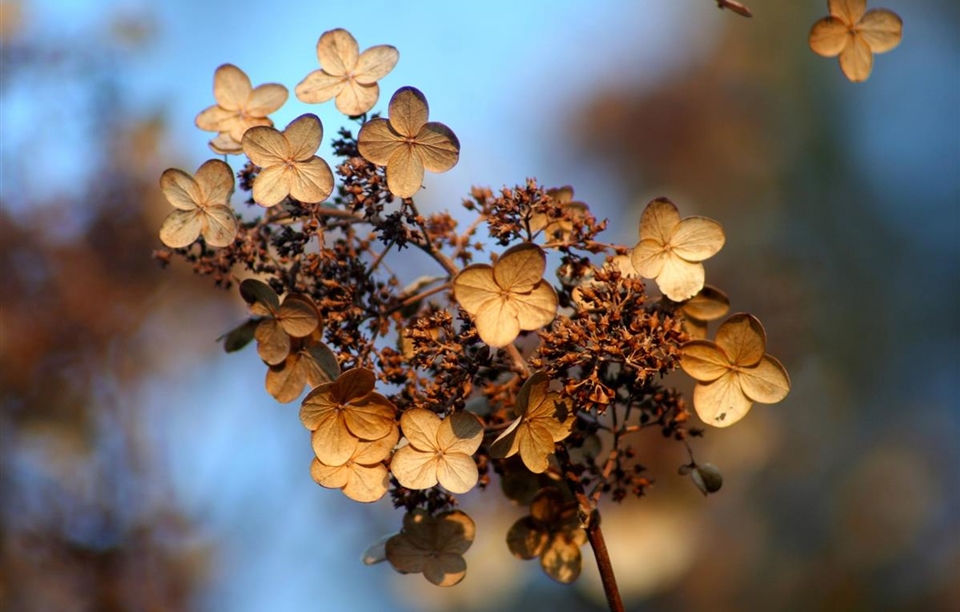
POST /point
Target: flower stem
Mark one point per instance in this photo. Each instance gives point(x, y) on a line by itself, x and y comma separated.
point(607, 577)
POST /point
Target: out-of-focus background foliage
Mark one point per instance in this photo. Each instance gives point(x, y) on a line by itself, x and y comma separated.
point(142, 469)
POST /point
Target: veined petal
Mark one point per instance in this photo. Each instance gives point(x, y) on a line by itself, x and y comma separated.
point(408, 111)
point(355, 99)
point(722, 402)
point(181, 228)
point(318, 86)
point(331, 477)
point(648, 258)
point(474, 286)
point(881, 29)
point(461, 432)
point(180, 189)
point(266, 98)
point(497, 323)
point(224, 144)
point(507, 443)
point(231, 87)
point(377, 141)
point(704, 360)
point(697, 238)
point(272, 185)
point(213, 118)
point(285, 381)
point(375, 63)
point(311, 181)
point(337, 51)
point(457, 472)
point(219, 226)
point(849, 11)
point(743, 339)
point(438, 146)
point(829, 36)
point(856, 60)
point(354, 383)
point(680, 279)
point(420, 428)
point(215, 181)
point(238, 126)
point(265, 146)
point(768, 383)
point(298, 316)
point(332, 443)
point(536, 444)
point(537, 308)
point(273, 344)
point(710, 303)
point(414, 469)
point(405, 172)
point(318, 407)
point(375, 451)
point(370, 418)
point(520, 268)
point(658, 221)
point(367, 483)
point(304, 135)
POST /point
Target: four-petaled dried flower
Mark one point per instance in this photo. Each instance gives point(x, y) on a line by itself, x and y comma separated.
point(432, 545)
point(363, 477)
point(733, 372)
point(508, 296)
point(288, 162)
point(708, 305)
point(347, 74)
point(558, 228)
point(671, 249)
point(438, 451)
point(239, 107)
point(407, 144)
point(551, 532)
point(543, 421)
point(310, 362)
point(203, 206)
point(344, 412)
point(296, 316)
point(855, 34)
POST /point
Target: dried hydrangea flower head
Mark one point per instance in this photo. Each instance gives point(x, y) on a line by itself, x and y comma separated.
point(438, 451)
point(288, 162)
point(203, 206)
point(344, 412)
point(542, 422)
point(508, 296)
point(551, 532)
point(296, 316)
point(433, 546)
point(310, 362)
point(407, 144)
point(708, 305)
point(363, 477)
point(346, 74)
point(855, 34)
point(671, 249)
point(733, 371)
point(239, 107)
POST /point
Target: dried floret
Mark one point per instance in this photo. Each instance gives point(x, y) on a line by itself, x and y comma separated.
point(310, 362)
point(855, 34)
point(559, 227)
point(346, 74)
point(508, 296)
point(344, 412)
point(239, 107)
point(296, 316)
point(203, 206)
point(542, 422)
point(288, 162)
point(708, 305)
point(438, 451)
point(407, 144)
point(671, 249)
point(551, 532)
point(432, 545)
point(733, 372)
point(363, 477)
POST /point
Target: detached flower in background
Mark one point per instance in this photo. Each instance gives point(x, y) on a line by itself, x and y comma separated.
point(203, 206)
point(551, 532)
point(432, 545)
point(239, 107)
point(346, 74)
point(855, 34)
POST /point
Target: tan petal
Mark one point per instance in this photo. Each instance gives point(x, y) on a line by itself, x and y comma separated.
point(180, 189)
point(408, 111)
point(697, 238)
point(474, 287)
point(374, 451)
point(219, 226)
point(680, 279)
point(768, 383)
point(414, 469)
point(355, 99)
point(272, 185)
point(546, 506)
point(265, 146)
point(856, 60)
point(375, 63)
point(525, 540)
point(849, 11)
point(215, 181)
point(709, 304)
point(377, 141)
point(266, 98)
point(367, 484)
point(461, 432)
point(224, 144)
point(332, 443)
point(561, 560)
point(239, 126)
point(536, 444)
point(454, 531)
point(704, 360)
point(722, 402)
point(331, 477)
point(311, 181)
point(658, 221)
point(507, 443)
point(181, 228)
point(829, 36)
point(354, 383)
point(285, 381)
point(648, 258)
point(532, 393)
point(445, 570)
point(881, 29)
point(520, 268)
point(231, 87)
point(318, 407)
point(257, 292)
point(404, 172)
point(298, 316)
point(322, 365)
point(318, 87)
point(438, 146)
point(273, 344)
point(420, 429)
point(537, 308)
point(457, 472)
point(694, 328)
point(497, 323)
point(337, 51)
point(303, 135)
point(743, 339)
point(404, 554)
point(213, 118)
point(370, 418)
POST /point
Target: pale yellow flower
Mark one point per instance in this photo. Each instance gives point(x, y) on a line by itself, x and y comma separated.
point(855, 34)
point(203, 206)
point(542, 422)
point(508, 296)
point(288, 162)
point(239, 107)
point(363, 477)
point(438, 451)
point(733, 372)
point(347, 74)
point(671, 249)
point(432, 545)
point(406, 144)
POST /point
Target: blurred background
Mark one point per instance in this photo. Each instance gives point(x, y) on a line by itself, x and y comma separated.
point(143, 469)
